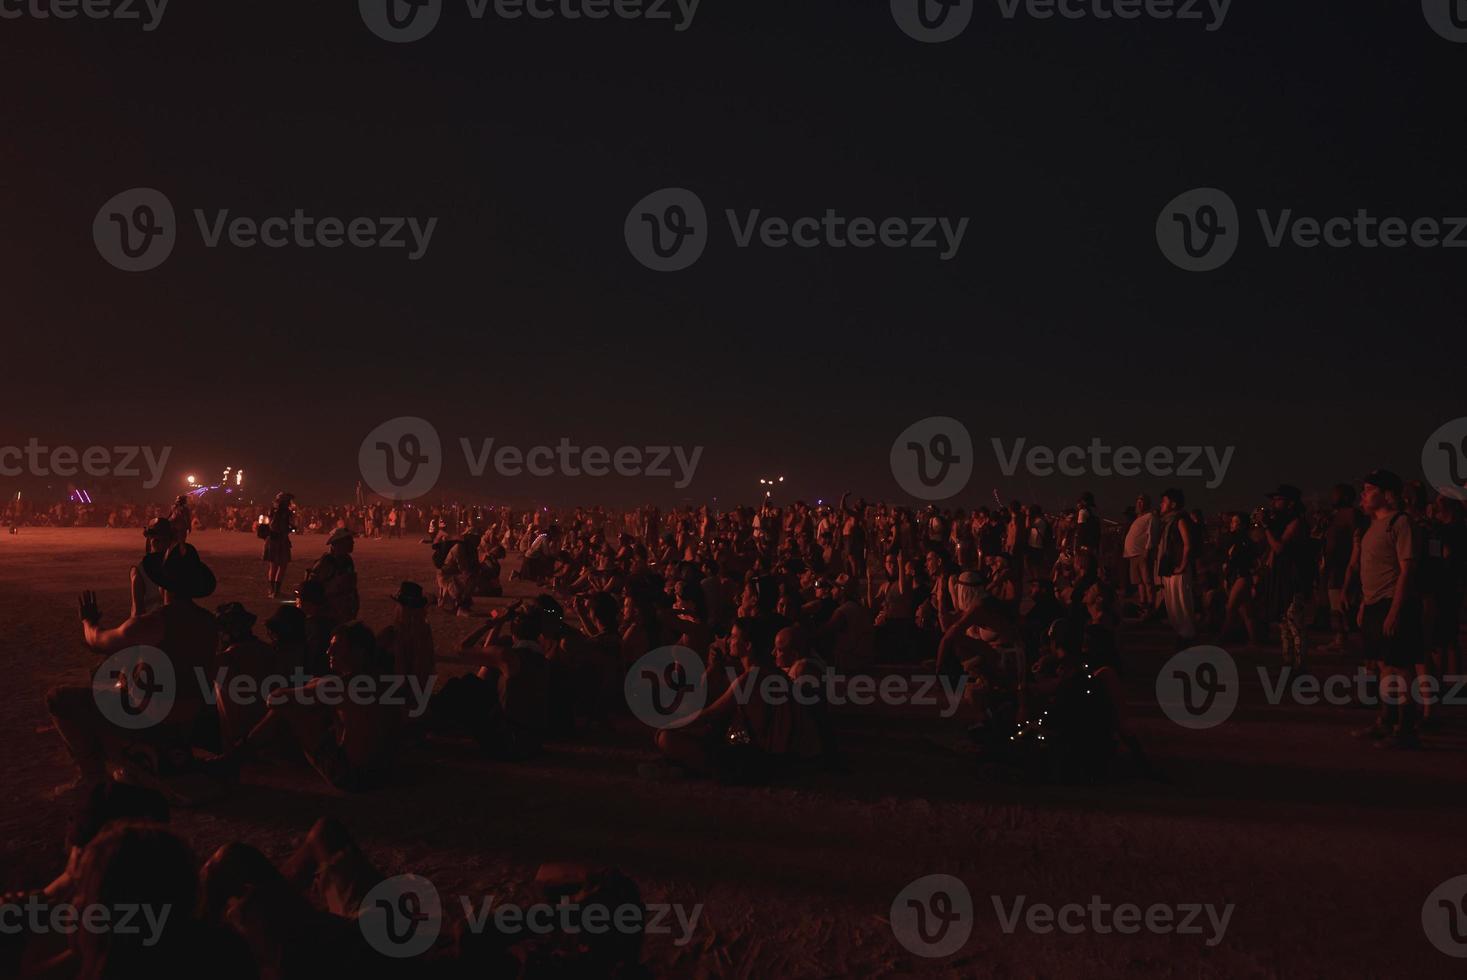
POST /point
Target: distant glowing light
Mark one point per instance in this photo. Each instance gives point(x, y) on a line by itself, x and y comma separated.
point(190, 479)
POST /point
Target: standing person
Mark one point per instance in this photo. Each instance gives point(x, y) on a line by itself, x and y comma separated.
point(182, 519)
point(1139, 554)
point(1291, 567)
point(1174, 563)
point(1337, 564)
point(146, 596)
point(1390, 609)
point(1036, 546)
point(277, 541)
point(1240, 557)
point(337, 574)
point(1087, 526)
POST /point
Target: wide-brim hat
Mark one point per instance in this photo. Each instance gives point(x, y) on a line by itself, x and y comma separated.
point(159, 527)
point(410, 595)
point(180, 572)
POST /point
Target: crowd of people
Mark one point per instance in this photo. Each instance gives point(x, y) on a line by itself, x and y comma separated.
point(1025, 613)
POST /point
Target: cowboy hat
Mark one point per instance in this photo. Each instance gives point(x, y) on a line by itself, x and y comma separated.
point(410, 595)
point(158, 527)
point(180, 572)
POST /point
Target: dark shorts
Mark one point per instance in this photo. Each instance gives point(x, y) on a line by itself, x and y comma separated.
point(1405, 649)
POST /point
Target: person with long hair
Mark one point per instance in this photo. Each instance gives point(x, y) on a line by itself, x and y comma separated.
point(277, 531)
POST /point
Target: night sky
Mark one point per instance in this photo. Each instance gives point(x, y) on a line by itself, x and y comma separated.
point(529, 320)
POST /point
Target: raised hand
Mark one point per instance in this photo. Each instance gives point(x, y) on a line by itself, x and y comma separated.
point(87, 606)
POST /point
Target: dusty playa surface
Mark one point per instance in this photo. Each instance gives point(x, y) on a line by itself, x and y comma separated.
point(1324, 849)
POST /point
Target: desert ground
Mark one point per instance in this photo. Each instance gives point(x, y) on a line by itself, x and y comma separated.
point(1326, 848)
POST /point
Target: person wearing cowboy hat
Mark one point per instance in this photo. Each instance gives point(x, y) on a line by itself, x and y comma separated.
point(183, 632)
point(337, 574)
point(146, 597)
point(278, 529)
point(409, 640)
point(1290, 570)
point(241, 654)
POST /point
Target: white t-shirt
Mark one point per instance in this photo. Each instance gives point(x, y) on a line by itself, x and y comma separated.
point(1138, 536)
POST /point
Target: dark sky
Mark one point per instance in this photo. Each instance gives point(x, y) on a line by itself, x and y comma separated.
point(529, 320)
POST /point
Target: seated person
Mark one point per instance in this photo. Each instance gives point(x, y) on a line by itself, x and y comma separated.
point(241, 654)
point(741, 737)
point(348, 743)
